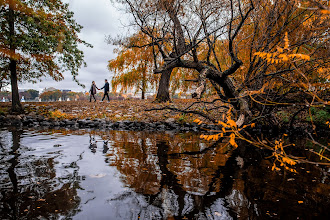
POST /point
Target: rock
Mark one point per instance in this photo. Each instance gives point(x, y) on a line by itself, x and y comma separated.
point(40, 118)
point(56, 124)
point(161, 127)
point(32, 114)
point(91, 125)
point(16, 122)
point(14, 117)
point(152, 125)
point(70, 123)
point(35, 124)
point(170, 120)
point(126, 122)
point(45, 124)
point(81, 122)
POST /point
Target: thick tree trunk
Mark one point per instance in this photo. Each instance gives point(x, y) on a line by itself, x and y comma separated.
point(16, 106)
point(163, 94)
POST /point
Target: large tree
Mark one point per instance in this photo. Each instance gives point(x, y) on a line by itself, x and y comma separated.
point(38, 38)
point(177, 28)
point(230, 43)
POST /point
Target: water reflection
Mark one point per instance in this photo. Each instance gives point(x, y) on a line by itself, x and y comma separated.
point(29, 188)
point(140, 175)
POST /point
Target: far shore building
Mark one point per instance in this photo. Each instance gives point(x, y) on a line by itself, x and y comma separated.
point(147, 95)
point(50, 89)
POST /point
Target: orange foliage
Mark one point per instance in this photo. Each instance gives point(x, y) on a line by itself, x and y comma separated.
point(133, 67)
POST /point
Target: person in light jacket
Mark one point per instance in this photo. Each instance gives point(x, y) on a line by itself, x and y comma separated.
point(92, 92)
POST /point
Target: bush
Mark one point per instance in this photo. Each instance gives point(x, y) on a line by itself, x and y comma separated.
point(284, 116)
point(319, 115)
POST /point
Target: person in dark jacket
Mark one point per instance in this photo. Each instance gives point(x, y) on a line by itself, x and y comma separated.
point(92, 91)
point(106, 90)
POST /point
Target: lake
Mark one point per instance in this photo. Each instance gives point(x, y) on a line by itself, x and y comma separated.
point(87, 174)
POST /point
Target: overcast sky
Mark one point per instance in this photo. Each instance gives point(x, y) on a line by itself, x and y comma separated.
point(99, 19)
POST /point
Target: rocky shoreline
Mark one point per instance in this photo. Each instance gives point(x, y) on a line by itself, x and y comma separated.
point(40, 121)
point(118, 115)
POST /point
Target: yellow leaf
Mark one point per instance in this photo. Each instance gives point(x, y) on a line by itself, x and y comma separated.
point(196, 120)
point(232, 123)
point(325, 11)
point(273, 167)
point(232, 140)
point(209, 137)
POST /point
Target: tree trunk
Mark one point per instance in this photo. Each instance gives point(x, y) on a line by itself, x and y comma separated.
point(16, 106)
point(143, 95)
point(143, 90)
point(163, 94)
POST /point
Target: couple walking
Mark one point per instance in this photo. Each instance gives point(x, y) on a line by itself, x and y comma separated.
point(92, 91)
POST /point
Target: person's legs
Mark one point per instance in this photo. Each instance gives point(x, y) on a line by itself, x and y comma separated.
point(108, 96)
point(103, 97)
point(92, 96)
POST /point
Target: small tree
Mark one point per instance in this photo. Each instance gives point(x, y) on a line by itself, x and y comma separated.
point(33, 93)
point(38, 38)
point(133, 67)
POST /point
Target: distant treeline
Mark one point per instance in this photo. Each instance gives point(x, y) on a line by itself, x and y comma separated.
point(30, 94)
point(56, 95)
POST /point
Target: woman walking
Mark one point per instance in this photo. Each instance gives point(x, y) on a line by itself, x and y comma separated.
point(92, 91)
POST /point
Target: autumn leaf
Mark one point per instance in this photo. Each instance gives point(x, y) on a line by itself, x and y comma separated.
point(232, 140)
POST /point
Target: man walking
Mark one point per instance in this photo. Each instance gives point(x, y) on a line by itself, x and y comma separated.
point(106, 90)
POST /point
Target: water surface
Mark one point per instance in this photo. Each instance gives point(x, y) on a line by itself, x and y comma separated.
point(62, 174)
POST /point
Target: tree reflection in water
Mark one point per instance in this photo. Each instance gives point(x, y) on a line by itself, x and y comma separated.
point(30, 189)
point(172, 175)
point(178, 177)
